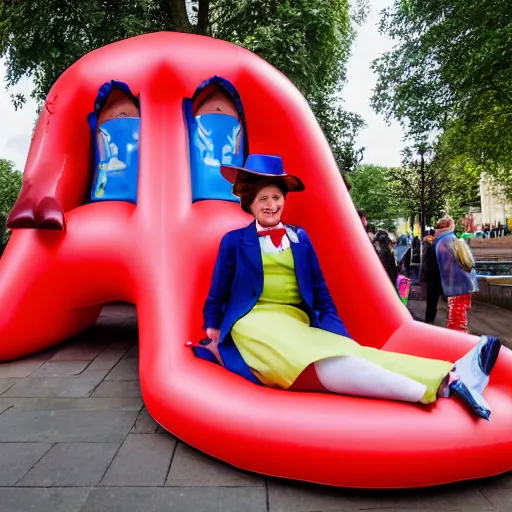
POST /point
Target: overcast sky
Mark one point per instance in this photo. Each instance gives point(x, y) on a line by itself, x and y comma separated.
point(382, 142)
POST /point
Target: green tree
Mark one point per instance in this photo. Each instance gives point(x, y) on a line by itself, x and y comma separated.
point(422, 187)
point(431, 182)
point(451, 68)
point(10, 185)
point(463, 174)
point(3, 231)
point(308, 40)
point(373, 191)
point(462, 146)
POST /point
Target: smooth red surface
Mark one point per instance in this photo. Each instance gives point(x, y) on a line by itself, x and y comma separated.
point(160, 255)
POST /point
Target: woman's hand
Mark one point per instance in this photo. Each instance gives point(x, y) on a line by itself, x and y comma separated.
point(213, 334)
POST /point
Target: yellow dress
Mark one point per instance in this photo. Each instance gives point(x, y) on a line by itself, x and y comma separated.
point(277, 342)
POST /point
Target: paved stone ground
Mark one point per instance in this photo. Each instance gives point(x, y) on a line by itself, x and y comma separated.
point(75, 436)
point(483, 319)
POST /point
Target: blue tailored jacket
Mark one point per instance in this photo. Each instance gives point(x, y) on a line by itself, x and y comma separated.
point(237, 285)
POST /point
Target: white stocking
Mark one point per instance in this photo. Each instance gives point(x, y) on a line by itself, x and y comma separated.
point(352, 375)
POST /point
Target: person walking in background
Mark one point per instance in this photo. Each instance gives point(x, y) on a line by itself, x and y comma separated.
point(457, 271)
point(362, 216)
point(431, 277)
point(384, 248)
point(3, 234)
point(414, 268)
point(369, 228)
point(371, 231)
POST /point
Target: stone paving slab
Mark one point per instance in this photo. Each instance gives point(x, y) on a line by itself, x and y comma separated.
point(117, 311)
point(191, 468)
point(145, 424)
point(4, 405)
point(111, 356)
point(126, 369)
point(498, 491)
point(80, 349)
point(65, 426)
point(17, 458)
point(214, 499)
point(130, 323)
point(42, 500)
point(142, 460)
point(300, 497)
point(61, 368)
point(55, 404)
point(498, 482)
point(501, 499)
point(112, 330)
point(71, 465)
point(133, 353)
point(5, 384)
point(115, 389)
point(78, 387)
point(45, 355)
point(20, 369)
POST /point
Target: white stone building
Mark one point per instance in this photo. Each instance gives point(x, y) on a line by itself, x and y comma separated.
point(494, 208)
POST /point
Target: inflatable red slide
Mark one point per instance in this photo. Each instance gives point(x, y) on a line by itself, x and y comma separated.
point(158, 253)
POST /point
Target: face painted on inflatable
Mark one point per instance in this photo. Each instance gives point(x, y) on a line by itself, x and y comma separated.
point(115, 128)
point(159, 254)
point(215, 122)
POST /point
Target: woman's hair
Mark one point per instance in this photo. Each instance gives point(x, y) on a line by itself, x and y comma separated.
point(208, 92)
point(444, 223)
point(247, 186)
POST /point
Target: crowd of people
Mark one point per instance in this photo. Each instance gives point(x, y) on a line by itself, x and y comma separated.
point(495, 231)
point(441, 263)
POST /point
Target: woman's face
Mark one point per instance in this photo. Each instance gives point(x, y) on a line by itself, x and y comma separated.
point(118, 105)
point(217, 103)
point(268, 206)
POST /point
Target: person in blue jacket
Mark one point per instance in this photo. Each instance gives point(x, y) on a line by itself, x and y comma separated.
point(269, 314)
point(457, 272)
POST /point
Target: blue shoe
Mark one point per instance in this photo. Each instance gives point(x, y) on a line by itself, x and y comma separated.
point(475, 367)
point(489, 354)
point(473, 400)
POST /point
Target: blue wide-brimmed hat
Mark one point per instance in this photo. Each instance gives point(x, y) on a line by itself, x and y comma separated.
point(268, 166)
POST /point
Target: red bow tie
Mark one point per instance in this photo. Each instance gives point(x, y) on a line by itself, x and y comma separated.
point(276, 235)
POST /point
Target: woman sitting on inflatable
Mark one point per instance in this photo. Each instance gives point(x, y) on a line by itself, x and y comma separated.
point(269, 315)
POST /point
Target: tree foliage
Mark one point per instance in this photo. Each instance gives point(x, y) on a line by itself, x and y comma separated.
point(10, 185)
point(451, 70)
point(464, 148)
point(373, 191)
point(464, 174)
point(423, 188)
point(308, 40)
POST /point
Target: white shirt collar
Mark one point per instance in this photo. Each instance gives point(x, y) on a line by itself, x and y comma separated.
point(261, 228)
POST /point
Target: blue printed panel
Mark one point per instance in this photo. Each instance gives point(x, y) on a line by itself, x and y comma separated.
point(215, 139)
point(116, 160)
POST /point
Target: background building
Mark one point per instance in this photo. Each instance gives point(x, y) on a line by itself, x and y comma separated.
point(495, 210)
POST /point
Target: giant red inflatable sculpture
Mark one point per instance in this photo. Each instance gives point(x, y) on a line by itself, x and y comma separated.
point(159, 255)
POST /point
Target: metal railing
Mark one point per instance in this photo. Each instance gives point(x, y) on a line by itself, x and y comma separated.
point(494, 267)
